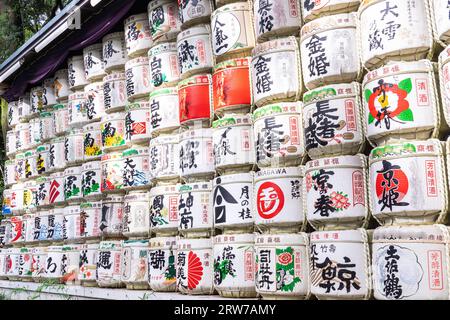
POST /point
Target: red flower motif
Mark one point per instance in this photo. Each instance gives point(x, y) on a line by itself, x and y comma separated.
point(383, 89)
point(285, 258)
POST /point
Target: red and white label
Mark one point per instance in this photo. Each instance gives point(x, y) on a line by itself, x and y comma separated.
point(270, 200)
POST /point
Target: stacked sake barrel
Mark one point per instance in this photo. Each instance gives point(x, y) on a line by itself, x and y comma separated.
point(403, 120)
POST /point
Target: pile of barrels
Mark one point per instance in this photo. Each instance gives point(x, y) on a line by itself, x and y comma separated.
point(280, 149)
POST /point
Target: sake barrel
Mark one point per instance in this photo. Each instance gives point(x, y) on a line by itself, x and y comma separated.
point(91, 177)
point(48, 93)
point(113, 132)
point(17, 236)
point(35, 132)
point(315, 9)
point(340, 265)
point(74, 147)
point(42, 216)
point(28, 230)
point(12, 263)
point(278, 198)
point(134, 264)
point(94, 65)
point(30, 188)
point(92, 142)
point(401, 102)
point(330, 48)
point(90, 218)
point(24, 107)
point(136, 215)
point(282, 266)
point(3, 264)
point(11, 145)
point(7, 202)
point(138, 36)
point(39, 263)
point(194, 50)
point(195, 266)
point(138, 122)
point(232, 91)
point(61, 85)
point(6, 234)
point(70, 264)
point(57, 195)
point(164, 202)
point(61, 115)
point(233, 144)
point(232, 31)
point(164, 20)
point(112, 174)
point(196, 154)
point(109, 260)
point(57, 154)
point(441, 22)
point(95, 101)
point(88, 264)
point(276, 72)
point(195, 209)
point(53, 263)
point(23, 137)
point(444, 82)
point(13, 114)
point(114, 92)
point(194, 12)
point(10, 173)
point(137, 78)
point(47, 126)
point(77, 109)
point(43, 192)
point(410, 262)
point(234, 265)
point(25, 264)
point(278, 134)
point(164, 119)
point(161, 264)
point(195, 98)
point(336, 192)
point(37, 101)
point(232, 202)
point(55, 225)
point(30, 164)
point(72, 183)
point(17, 200)
point(408, 183)
point(111, 224)
point(385, 31)
point(72, 224)
point(333, 120)
point(43, 159)
point(274, 19)
point(164, 67)
point(136, 168)
point(114, 51)
point(77, 75)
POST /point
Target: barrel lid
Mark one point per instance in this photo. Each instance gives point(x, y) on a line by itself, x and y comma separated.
point(112, 156)
point(166, 139)
point(135, 151)
point(116, 76)
point(282, 44)
point(270, 173)
point(110, 245)
point(232, 63)
point(399, 150)
point(233, 120)
point(235, 238)
point(137, 17)
point(195, 187)
point(425, 233)
point(356, 161)
point(332, 91)
point(293, 239)
point(194, 244)
point(233, 178)
point(164, 190)
point(397, 67)
point(136, 196)
point(338, 236)
point(196, 133)
point(201, 29)
point(163, 48)
point(135, 243)
point(137, 105)
point(95, 86)
point(164, 92)
point(114, 35)
point(163, 243)
point(281, 108)
point(343, 20)
point(92, 165)
point(136, 62)
point(198, 79)
point(93, 47)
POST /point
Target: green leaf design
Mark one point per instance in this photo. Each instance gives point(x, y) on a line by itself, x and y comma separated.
point(406, 115)
point(406, 85)
point(367, 94)
point(371, 118)
point(95, 187)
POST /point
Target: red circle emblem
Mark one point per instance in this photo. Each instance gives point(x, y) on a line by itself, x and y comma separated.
point(401, 184)
point(270, 200)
